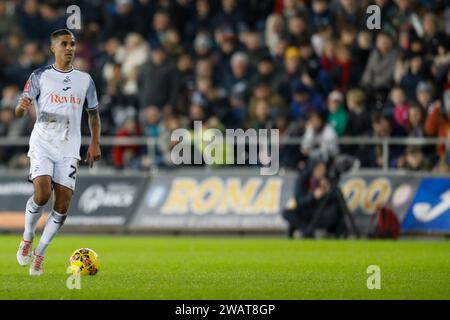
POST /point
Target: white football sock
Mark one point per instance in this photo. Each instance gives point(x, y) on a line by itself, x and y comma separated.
point(32, 214)
point(54, 222)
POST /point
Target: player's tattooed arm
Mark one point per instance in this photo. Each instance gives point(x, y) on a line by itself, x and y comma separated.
point(94, 152)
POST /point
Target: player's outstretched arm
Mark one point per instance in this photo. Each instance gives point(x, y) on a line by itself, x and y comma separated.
point(94, 152)
point(24, 104)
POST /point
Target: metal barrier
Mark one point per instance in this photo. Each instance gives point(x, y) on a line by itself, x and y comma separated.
point(151, 143)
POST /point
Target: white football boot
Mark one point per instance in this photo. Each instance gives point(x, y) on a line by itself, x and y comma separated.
point(36, 265)
point(24, 252)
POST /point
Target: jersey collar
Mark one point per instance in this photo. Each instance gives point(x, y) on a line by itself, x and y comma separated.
point(62, 71)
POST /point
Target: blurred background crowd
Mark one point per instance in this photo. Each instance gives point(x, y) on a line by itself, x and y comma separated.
point(309, 68)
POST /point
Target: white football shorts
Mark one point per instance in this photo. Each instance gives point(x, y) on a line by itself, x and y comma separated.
point(62, 172)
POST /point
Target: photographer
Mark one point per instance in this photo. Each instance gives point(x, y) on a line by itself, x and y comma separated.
point(317, 205)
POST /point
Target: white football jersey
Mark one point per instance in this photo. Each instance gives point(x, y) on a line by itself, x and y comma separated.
point(59, 98)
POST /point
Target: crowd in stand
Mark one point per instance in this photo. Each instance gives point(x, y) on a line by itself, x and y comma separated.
point(310, 68)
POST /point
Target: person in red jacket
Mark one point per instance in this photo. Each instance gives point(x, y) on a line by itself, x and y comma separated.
point(437, 123)
point(123, 155)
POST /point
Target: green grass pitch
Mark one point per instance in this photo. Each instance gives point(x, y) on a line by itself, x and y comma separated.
point(232, 268)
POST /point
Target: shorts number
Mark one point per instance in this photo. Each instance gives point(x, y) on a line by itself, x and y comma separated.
point(72, 174)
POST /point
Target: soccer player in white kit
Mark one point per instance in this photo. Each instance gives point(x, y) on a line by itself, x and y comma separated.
point(59, 92)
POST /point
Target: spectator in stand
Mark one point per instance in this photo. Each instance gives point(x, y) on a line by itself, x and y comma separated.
point(259, 116)
point(291, 72)
point(398, 107)
point(416, 121)
point(264, 91)
point(432, 36)
point(358, 123)
point(126, 156)
point(305, 100)
point(337, 115)
point(202, 21)
point(158, 81)
point(121, 22)
point(383, 128)
point(31, 21)
point(240, 72)
point(413, 160)
point(320, 139)
point(297, 30)
point(230, 13)
point(137, 52)
point(437, 124)
point(413, 76)
point(349, 13)
point(321, 14)
point(378, 74)
point(424, 95)
point(8, 21)
point(265, 72)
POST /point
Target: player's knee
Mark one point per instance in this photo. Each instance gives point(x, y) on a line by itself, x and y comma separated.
point(62, 206)
point(41, 198)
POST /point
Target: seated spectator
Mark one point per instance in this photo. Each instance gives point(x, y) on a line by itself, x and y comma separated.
point(416, 121)
point(413, 76)
point(321, 14)
point(264, 91)
point(398, 107)
point(383, 128)
point(437, 123)
point(379, 70)
point(305, 100)
point(158, 80)
point(260, 115)
point(291, 69)
point(320, 139)
point(297, 30)
point(126, 156)
point(424, 95)
point(240, 72)
point(345, 70)
point(337, 115)
point(358, 123)
point(413, 160)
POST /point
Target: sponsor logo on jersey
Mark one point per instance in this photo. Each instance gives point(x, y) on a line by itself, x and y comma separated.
point(57, 99)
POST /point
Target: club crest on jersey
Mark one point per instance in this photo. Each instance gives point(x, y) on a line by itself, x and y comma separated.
point(67, 80)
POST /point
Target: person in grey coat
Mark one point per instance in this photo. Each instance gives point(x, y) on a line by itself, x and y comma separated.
point(378, 74)
point(158, 81)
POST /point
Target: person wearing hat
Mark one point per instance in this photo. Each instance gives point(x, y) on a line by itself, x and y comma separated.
point(290, 72)
point(337, 115)
point(304, 100)
point(424, 94)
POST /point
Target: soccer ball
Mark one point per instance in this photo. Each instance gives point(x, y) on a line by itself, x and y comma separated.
point(84, 261)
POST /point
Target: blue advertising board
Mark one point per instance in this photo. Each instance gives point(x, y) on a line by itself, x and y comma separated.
point(430, 209)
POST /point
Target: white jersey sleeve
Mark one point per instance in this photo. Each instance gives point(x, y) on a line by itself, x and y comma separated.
point(31, 88)
point(91, 101)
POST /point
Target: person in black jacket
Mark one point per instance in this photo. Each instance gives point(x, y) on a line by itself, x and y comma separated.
point(316, 204)
point(158, 80)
